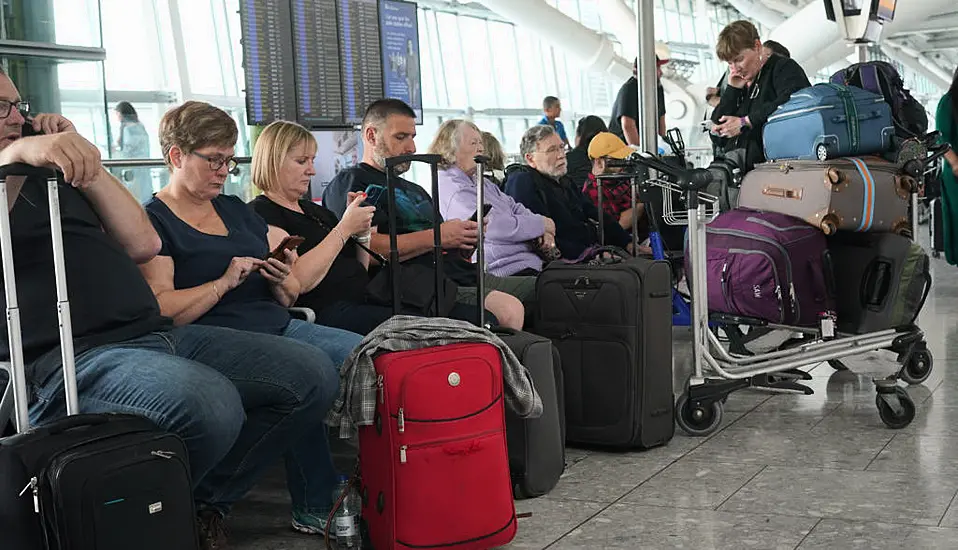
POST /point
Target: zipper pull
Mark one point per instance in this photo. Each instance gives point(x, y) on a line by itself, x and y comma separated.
point(163, 454)
point(379, 383)
point(402, 454)
point(402, 421)
point(36, 498)
point(724, 270)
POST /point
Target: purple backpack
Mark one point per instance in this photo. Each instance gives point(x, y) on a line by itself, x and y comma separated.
point(768, 265)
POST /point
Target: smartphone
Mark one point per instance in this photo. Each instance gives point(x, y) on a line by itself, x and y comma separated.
point(485, 212)
point(288, 243)
point(27, 128)
point(373, 194)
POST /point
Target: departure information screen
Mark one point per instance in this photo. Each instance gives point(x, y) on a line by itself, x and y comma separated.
point(359, 56)
point(319, 94)
point(320, 62)
point(268, 61)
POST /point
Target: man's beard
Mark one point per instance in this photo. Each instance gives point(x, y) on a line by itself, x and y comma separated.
point(556, 173)
point(380, 154)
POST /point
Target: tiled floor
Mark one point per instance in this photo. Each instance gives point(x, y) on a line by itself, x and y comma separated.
point(784, 472)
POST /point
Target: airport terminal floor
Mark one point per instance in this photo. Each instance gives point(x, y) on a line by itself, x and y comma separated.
point(783, 471)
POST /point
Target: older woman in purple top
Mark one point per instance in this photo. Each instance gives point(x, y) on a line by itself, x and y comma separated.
point(513, 231)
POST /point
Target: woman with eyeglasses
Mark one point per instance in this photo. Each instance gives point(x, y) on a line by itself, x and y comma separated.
point(758, 83)
point(215, 267)
point(332, 267)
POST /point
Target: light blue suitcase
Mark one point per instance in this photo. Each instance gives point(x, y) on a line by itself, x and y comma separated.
point(829, 121)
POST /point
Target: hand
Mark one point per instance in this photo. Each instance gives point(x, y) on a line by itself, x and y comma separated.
point(550, 225)
point(77, 158)
point(548, 241)
point(276, 271)
point(736, 81)
point(357, 218)
point(711, 92)
point(728, 126)
point(462, 234)
point(50, 123)
point(598, 167)
point(239, 269)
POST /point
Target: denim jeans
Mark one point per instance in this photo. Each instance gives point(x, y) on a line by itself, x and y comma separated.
point(310, 473)
point(201, 383)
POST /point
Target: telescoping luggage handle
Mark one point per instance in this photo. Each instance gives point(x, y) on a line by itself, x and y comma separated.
point(391, 163)
point(9, 190)
point(481, 162)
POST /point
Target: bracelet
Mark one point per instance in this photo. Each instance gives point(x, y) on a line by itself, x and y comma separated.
point(364, 239)
point(340, 234)
point(216, 292)
point(744, 121)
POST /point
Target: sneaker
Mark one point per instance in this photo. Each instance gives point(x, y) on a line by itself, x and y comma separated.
point(311, 523)
point(212, 530)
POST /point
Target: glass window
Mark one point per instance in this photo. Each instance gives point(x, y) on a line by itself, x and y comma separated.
point(450, 47)
point(66, 22)
point(136, 60)
point(203, 59)
point(505, 57)
point(480, 74)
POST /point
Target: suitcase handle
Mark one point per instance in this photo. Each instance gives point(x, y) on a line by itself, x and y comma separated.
point(782, 192)
point(841, 119)
point(924, 297)
point(71, 423)
point(829, 267)
point(877, 283)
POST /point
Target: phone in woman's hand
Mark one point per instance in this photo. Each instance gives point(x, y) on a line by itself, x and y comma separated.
point(291, 242)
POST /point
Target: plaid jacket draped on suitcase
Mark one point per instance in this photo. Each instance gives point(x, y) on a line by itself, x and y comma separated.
point(356, 403)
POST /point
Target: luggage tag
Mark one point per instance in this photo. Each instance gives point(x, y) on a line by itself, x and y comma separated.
point(827, 321)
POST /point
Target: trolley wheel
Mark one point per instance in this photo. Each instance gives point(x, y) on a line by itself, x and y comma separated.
point(837, 364)
point(917, 368)
point(891, 418)
point(698, 419)
point(821, 152)
point(935, 254)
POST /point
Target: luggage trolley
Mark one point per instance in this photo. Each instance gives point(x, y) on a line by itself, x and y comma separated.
point(699, 409)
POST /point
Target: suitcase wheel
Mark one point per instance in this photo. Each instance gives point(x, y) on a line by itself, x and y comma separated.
point(829, 224)
point(698, 419)
point(917, 368)
point(821, 152)
point(895, 408)
point(935, 254)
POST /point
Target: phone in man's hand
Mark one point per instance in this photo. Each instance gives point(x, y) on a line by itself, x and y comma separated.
point(373, 194)
point(290, 242)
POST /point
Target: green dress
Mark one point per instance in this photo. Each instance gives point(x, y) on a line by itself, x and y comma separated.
point(945, 123)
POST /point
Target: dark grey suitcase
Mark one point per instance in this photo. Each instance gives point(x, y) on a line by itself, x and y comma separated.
point(612, 324)
point(536, 445)
point(881, 280)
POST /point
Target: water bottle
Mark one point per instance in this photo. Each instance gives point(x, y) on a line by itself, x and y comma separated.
point(346, 521)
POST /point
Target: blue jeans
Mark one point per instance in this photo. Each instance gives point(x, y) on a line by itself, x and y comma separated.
point(310, 473)
point(201, 383)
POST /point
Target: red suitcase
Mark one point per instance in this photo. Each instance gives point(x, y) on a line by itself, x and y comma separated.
point(434, 466)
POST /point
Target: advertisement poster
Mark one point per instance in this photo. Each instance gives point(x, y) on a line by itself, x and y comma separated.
point(399, 30)
point(336, 150)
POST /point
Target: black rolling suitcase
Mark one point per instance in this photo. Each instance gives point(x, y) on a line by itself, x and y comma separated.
point(87, 481)
point(881, 280)
point(612, 324)
point(536, 445)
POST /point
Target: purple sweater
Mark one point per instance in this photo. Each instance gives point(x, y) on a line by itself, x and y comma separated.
point(511, 224)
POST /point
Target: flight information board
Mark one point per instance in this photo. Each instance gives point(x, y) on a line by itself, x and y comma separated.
point(268, 61)
point(319, 92)
point(360, 60)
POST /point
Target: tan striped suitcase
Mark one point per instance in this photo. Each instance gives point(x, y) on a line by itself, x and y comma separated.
point(848, 194)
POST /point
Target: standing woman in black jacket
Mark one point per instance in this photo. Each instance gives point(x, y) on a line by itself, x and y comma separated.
point(579, 163)
point(758, 83)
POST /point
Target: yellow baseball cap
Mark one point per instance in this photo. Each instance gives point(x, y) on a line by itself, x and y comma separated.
point(607, 144)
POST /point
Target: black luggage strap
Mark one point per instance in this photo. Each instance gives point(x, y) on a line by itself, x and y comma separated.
point(851, 115)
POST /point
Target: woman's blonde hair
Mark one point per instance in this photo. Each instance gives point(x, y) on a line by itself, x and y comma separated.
point(493, 149)
point(734, 38)
point(447, 140)
point(195, 125)
point(272, 146)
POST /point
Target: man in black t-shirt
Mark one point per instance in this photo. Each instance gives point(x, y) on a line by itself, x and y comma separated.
point(625, 110)
point(129, 359)
point(388, 130)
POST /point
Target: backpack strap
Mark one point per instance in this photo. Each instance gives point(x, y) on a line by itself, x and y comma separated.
point(868, 74)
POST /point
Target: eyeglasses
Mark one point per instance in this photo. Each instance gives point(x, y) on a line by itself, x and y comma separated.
point(217, 162)
point(6, 107)
point(554, 150)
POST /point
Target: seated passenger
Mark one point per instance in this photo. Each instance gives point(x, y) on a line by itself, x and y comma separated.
point(577, 160)
point(198, 382)
point(513, 233)
point(332, 266)
point(212, 270)
point(495, 169)
point(541, 185)
point(389, 129)
point(758, 82)
point(616, 195)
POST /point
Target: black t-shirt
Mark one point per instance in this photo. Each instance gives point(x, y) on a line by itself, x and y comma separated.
point(346, 279)
point(199, 258)
point(414, 212)
point(110, 300)
point(627, 104)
